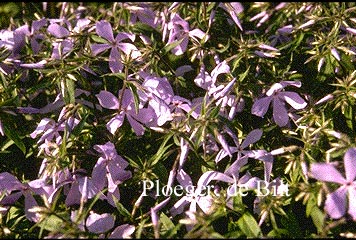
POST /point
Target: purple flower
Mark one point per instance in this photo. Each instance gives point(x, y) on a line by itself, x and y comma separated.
point(278, 99)
point(199, 195)
point(123, 231)
point(233, 8)
point(159, 94)
point(335, 204)
point(64, 44)
point(36, 37)
point(179, 31)
point(82, 188)
point(109, 171)
point(127, 108)
point(243, 154)
point(142, 12)
point(13, 190)
point(104, 29)
point(99, 223)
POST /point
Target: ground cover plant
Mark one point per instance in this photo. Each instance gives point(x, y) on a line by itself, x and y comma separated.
point(177, 120)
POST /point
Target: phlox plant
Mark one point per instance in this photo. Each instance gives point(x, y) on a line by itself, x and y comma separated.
point(177, 119)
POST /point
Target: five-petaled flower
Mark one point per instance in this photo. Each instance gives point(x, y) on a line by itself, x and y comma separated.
point(335, 204)
point(104, 29)
point(278, 97)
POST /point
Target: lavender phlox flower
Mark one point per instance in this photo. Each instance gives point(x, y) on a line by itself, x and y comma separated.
point(209, 82)
point(47, 127)
point(81, 189)
point(116, 45)
point(13, 190)
point(234, 9)
point(13, 41)
point(278, 97)
point(127, 108)
point(250, 138)
point(199, 195)
point(123, 231)
point(109, 171)
point(63, 44)
point(99, 223)
point(159, 94)
point(179, 31)
point(36, 36)
point(180, 104)
point(50, 129)
point(335, 204)
point(243, 155)
point(143, 13)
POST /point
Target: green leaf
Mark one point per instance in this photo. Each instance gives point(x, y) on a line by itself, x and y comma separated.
point(122, 210)
point(168, 229)
point(133, 89)
point(51, 223)
point(12, 134)
point(242, 76)
point(249, 226)
point(318, 218)
point(70, 91)
point(79, 127)
point(161, 152)
point(170, 46)
point(98, 39)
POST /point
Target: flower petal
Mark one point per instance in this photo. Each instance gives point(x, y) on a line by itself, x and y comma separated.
point(97, 48)
point(115, 63)
point(335, 204)
point(251, 138)
point(115, 123)
point(130, 50)
point(222, 67)
point(260, 106)
point(107, 100)
point(350, 164)
point(99, 174)
point(184, 179)
point(327, 173)
point(9, 182)
point(293, 99)
point(137, 127)
point(280, 114)
point(123, 231)
point(57, 30)
point(104, 29)
point(99, 223)
point(210, 176)
point(352, 202)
